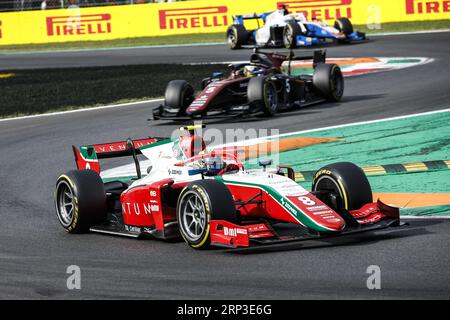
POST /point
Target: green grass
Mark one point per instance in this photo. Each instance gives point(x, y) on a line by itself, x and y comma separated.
point(203, 38)
point(39, 91)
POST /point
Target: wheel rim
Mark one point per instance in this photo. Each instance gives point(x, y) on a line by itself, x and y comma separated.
point(288, 37)
point(193, 216)
point(271, 98)
point(65, 203)
point(325, 183)
point(231, 38)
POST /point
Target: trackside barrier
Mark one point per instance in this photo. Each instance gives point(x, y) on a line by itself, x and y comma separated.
point(202, 16)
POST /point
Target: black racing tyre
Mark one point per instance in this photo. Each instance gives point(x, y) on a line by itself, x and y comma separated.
point(237, 36)
point(290, 32)
point(346, 180)
point(262, 95)
point(328, 80)
point(179, 95)
point(344, 25)
point(80, 200)
point(200, 202)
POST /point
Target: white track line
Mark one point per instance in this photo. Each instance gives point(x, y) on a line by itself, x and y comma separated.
point(414, 115)
point(128, 104)
point(262, 139)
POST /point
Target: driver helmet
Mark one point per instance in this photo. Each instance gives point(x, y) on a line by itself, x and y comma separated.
point(214, 165)
point(283, 10)
point(249, 71)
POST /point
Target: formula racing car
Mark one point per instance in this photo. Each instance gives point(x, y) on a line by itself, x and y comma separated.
point(207, 197)
point(259, 86)
point(280, 28)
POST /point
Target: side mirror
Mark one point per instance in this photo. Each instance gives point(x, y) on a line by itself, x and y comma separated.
point(264, 163)
point(130, 146)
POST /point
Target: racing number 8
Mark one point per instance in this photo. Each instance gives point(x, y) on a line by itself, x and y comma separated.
point(307, 201)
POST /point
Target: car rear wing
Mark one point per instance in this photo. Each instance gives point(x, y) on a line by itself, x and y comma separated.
point(277, 59)
point(239, 19)
point(87, 157)
point(317, 56)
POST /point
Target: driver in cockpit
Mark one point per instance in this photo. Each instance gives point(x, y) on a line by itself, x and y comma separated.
point(214, 165)
point(283, 10)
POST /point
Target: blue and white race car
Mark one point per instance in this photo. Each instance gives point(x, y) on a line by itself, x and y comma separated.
point(282, 28)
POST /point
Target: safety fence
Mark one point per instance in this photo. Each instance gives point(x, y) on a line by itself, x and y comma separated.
point(202, 16)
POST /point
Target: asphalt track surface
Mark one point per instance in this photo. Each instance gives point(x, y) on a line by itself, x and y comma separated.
point(35, 251)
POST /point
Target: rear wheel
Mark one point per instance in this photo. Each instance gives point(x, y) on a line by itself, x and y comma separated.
point(347, 182)
point(237, 36)
point(290, 33)
point(328, 80)
point(200, 202)
point(179, 95)
point(344, 25)
point(80, 200)
point(262, 95)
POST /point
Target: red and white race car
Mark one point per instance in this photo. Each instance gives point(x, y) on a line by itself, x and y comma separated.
point(209, 198)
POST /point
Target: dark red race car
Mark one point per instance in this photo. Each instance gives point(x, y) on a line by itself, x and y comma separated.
point(258, 86)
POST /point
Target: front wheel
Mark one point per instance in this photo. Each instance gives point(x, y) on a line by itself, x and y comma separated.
point(200, 202)
point(346, 182)
point(262, 95)
point(237, 36)
point(179, 95)
point(290, 33)
point(80, 200)
point(344, 25)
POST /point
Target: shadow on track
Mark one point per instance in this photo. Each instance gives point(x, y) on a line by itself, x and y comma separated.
point(333, 44)
point(312, 109)
point(415, 228)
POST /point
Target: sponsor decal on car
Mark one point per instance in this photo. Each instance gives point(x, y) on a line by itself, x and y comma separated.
point(193, 18)
point(288, 207)
point(1, 30)
point(174, 171)
point(233, 232)
point(317, 208)
point(320, 172)
point(122, 146)
point(73, 25)
point(137, 208)
point(132, 228)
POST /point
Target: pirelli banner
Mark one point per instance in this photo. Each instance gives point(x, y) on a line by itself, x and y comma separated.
point(202, 16)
